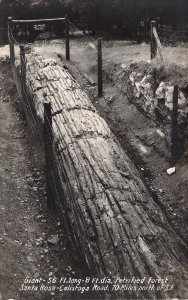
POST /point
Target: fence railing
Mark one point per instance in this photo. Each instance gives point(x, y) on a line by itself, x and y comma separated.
point(12, 22)
point(68, 29)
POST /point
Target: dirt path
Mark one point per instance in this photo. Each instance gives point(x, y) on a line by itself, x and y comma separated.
point(22, 198)
point(25, 223)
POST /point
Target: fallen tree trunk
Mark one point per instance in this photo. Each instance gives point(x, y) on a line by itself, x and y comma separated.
point(122, 231)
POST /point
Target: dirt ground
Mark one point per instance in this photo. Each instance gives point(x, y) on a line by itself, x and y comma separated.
point(114, 51)
point(25, 222)
point(143, 139)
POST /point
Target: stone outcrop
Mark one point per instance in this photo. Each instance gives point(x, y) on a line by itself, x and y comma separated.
point(153, 94)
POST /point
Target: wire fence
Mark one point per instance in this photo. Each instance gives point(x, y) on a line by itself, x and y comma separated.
point(170, 37)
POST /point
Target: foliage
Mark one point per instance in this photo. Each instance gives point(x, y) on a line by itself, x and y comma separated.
point(104, 13)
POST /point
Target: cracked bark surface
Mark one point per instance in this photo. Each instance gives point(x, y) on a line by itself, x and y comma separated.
point(120, 228)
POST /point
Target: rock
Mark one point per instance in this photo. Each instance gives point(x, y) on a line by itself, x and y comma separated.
point(142, 148)
point(7, 99)
point(182, 101)
point(160, 92)
point(123, 66)
point(69, 268)
point(169, 105)
point(159, 132)
point(132, 78)
point(92, 45)
point(112, 99)
point(171, 171)
point(30, 259)
point(145, 80)
point(89, 79)
point(53, 239)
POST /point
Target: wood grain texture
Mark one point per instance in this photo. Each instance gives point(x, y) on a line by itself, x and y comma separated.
point(159, 46)
point(120, 228)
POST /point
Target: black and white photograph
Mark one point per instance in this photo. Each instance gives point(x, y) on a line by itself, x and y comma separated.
point(93, 149)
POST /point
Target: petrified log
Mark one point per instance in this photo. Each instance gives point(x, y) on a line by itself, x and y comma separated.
point(120, 228)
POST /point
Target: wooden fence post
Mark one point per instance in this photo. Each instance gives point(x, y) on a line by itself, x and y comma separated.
point(67, 38)
point(23, 81)
point(174, 146)
point(100, 81)
point(153, 44)
point(11, 41)
point(23, 64)
point(48, 151)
